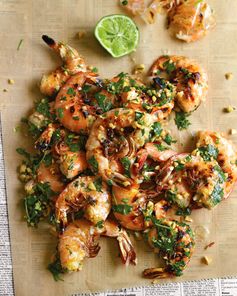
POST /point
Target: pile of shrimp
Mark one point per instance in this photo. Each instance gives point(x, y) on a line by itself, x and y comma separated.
point(104, 164)
point(187, 20)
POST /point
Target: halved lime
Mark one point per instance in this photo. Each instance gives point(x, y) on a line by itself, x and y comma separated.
point(118, 34)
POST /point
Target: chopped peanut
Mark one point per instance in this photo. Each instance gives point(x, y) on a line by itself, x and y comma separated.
point(139, 69)
point(233, 131)
point(229, 76)
point(11, 81)
point(81, 34)
point(206, 260)
point(229, 109)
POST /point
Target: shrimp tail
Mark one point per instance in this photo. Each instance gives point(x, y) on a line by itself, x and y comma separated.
point(128, 254)
point(49, 41)
point(156, 273)
point(94, 250)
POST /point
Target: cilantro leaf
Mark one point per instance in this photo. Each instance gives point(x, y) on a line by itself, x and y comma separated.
point(208, 152)
point(122, 209)
point(126, 165)
point(181, 120)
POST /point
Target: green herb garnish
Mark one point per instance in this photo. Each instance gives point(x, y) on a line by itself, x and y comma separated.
point(126, 165)
point(94, 164)
point(181, 120)
point(208, 152)
point(122, 209)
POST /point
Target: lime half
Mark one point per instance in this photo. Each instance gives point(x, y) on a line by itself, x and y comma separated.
point(118, 34)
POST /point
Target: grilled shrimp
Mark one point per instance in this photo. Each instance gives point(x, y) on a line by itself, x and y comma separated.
point(51, 174)
point(72, 64)
point(113, 141)
point(71, 163)
point(132, 204)
point(88, 193)
point(213, 144)
point(174, 242)
point(70, 104)
point(129, 206)
point(126, 92)
point(188, 181)
point(188, 77)
point(80, 240)
point(190, 20)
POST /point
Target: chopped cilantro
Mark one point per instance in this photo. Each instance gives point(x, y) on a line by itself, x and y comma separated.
point(86, 88)
point(122, 209)
point(43, 107)
point(183, 212)
point(168, 139)
point(23, 152)
point(75, 142)
point(38, 203)
point(100, 224)
point(169, 66)
point(48, 158)
point(178, 166)
point(208, 152)
point(138, 117)
point(156, 129)
point(221, 174)
point(181, 120)
point(217, 194)
point(110, 182)
point(94, 70)
point(71, 91)
point(56, 268)
point(124, 200)
point(60, 112)
point(160, 147)
point(94, 164)
point(104, 103)
point(126, 165)
point(98, 184)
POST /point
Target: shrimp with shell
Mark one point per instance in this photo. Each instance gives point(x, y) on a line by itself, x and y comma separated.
point(213, 144)
point(113, 142)
point(174, 243)
point(88, 193)
point(71, 106)
point(57, 140)
point(188, 181)
point(72, 63)
point(188, 77)
point(132, 204)
point(80, 240)
point(126, 91)
point(190, 20)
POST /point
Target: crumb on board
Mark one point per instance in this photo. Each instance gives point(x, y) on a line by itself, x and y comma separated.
point(188, 219)
point(233, 131)
point(229, 109)
point(138, 69)
point(209, 245)
point(5, 90)
point(81, 34)
point(206, 260)
point(11, 81)
point(229, 76)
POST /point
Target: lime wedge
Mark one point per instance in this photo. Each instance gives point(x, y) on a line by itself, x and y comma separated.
point(118, 34)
